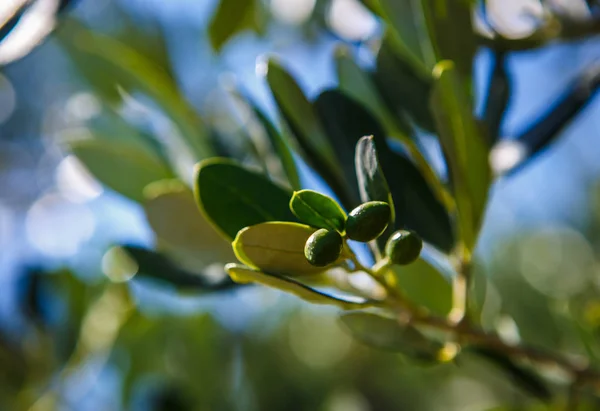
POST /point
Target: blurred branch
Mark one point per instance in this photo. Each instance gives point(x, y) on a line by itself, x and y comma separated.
point(498, 96)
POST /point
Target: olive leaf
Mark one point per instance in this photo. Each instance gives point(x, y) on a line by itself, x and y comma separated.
point(231, 17)
point(275, 247)
point(181, 229)
point(233, 197)
point(372, 183)
point(318, 210)
point(244, 275)
point(465, 148)
point(120, 166)
point(387, 334)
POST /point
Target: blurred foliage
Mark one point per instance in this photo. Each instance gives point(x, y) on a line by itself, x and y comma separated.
point(539, 293)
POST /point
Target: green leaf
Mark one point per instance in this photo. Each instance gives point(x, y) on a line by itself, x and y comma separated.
point(121, 167)
point(410, 36)
point(387, 334)
point(450, 27)
point(183, 232)
point(371, 181)
point(231, 17)
point(357, 84)
point(425, 285)
point(233, 197)
point(275, 247)
point(465, 148)
point(281, 147)
point(405, 90)
point(307, 129)
point(159, 267)
point(110, 63)
point(244, 275)
point(318, 210)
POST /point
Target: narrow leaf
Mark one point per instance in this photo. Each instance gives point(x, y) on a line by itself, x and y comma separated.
point(465, 148)
point(275, 247)
point(244, 275)
point(387, 334)
point(318, 210)
point(121, 167)
point(156, 266)
point(231, 17)
point(233, 197)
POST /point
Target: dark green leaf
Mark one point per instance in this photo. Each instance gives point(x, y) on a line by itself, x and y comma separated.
point(318, 210)
point(156, 266)
point(233, 197)
point(244, 275)
point(371, 181)
point(498, 96)
point(231, 17)
point(520, 376)
point(275, 247)
point(120, 166)
point(387, 334)
point(405, 90)
point(465, 148)
point(307, 130)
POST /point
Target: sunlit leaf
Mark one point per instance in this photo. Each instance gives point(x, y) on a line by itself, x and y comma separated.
point(425, 285)
point(276, 247)
point(387, 334)
point(244, 275)
point(233, 197)
point(121, 167)
point(181, 228)
point(232, 17)
point(465, 148)
point(318, 210)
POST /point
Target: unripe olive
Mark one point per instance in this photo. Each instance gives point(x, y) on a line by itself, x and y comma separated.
point(368, 221)
point(323, 247)
point(403, 247)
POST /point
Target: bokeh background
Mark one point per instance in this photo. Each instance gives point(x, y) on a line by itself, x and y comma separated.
point(71, 339)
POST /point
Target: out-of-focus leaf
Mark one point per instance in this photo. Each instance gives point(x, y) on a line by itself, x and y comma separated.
point(425, 285)
point(276, 247)
point(520, 376)
point(371, 181)
point(465, 148)
point(233, 197)
point(410, 36)
point(318, 210)
point(387, 334)
point(158, 267)
point(181, 228)
point(108, 63)
point(232, 17)
point(121, 167)
point(451, 31)
point(404, 90)
point(307, 130)
point(357, 84)
point(281, 147)
point(497, 98)
point(244, 275)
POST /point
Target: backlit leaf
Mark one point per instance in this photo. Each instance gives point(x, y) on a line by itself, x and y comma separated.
point(318, 210)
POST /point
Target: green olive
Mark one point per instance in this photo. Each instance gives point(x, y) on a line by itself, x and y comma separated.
point(368, 221)
point(403, 247)
point(323, 247)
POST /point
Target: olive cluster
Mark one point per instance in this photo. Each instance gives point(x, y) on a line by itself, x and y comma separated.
point(365, 223)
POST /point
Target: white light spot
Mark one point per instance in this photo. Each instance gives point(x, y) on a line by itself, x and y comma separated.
point(82, 106)
point(75, 182)
point(58, 227)
point(294, 12)
point(515, 18)
point(261, 68)
point(118, 265)
point(351, 20)
point(506, 155)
